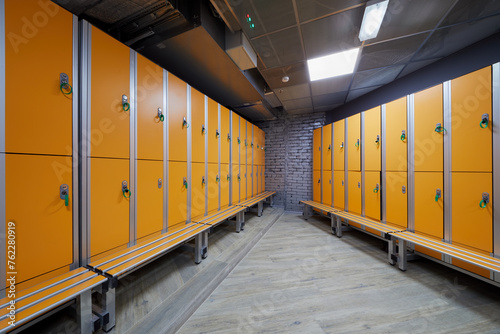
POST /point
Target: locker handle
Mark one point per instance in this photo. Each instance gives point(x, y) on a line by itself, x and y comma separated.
point(251, 144)
point(202, 180)
point(229, 178)
point(357, 143)
point(485, 118)
point(246, 143)
point(64, 193)
point(228, 137)
point(484, 201)
point(438, 195)
point(239, 178)
point(439, 128)
point(377, 141)
point(239, 141)
point(126, 190)
point(184, 182)
point(217, 179)
point(64, 84)
point(403, 135)
point(125, 104)
point(203, 129)
point(185, 123)
point(257, 146)
point(375, 190)
point(329, 147)
point(342, 145)
point(160, 115)
point(319, 180)
point(217, 134)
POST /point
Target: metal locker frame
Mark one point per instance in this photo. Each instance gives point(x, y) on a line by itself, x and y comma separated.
point(165, 154)
point(333, 192)
point(3, 268)
point(346, 165)
point(133, 150)
point(362, 162)
point(496, 163)
point(320, 164)
point(383, 165)
point(448, 219)
point(231, 158)
point(206, 154)
point(188, 158)
point(219, 144)
point(410, 126)
point(251, 148)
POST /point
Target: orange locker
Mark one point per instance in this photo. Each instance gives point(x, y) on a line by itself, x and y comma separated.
point(243, 155)
point(470, 104)
point(213, 131)
point(150, 185)
point(472, 217)
point(327, 147)
point(372, 139)
point(354, 140)
point(213, 187)
point(198, 184)
point(177, 118)
point(429, 203)
point(338, 145)
point(372, 195)
point(198, 129)
point(109, 204)
point(354, 192)
point(263, 179)
point(249, 175)
point(236, 140)
point(257, 145)
point(110, 117)
point(255, 185)
point(31, 114)
point(396, 135)
point(250, 144)
point(225, 142)
point(327, 187)
point(317, 186)
point(224, 185)
point(338, 190)
point(397, 198)
point(150, 113)
point(317, 149)
point(177, 193)
point(41, 217)
point(236, 182)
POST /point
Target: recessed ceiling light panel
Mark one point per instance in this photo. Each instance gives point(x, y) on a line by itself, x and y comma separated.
point(372, 19)
point(332, 65)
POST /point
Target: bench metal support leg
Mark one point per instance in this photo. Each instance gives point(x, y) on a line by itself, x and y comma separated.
point(84, 312)
point(108, 304)
point(271, 201)
point(339, 227)
point(391, 252)
point(260, 209)
point(307, 212)
point(204, 246)
point(240, 221)
point(198, 245)
point(402, 259)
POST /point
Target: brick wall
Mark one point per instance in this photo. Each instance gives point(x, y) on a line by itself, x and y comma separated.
point(289, 157)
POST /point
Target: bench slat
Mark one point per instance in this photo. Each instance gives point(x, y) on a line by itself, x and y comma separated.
point(319, 206)
point(218, 216)
point(385, 228)
point(256, 199)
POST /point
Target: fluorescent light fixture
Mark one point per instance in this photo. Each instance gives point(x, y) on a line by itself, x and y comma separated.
point(332, 65)
point(372, 20)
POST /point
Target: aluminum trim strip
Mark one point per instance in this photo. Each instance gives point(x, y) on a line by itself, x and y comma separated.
point(3, 273)
point(447, 197)
point(75, 145)
point(165, 153)
point(411, 161)
point(230, 158)
point(362, 155)
point(206, 153)
point(383, 164)
point(133, 150)
point(320, 165)
point(346, 165)
point(189, 151)
point(496, 161)
point(219, 144)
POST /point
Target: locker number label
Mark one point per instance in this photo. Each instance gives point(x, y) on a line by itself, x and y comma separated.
point(11, 273)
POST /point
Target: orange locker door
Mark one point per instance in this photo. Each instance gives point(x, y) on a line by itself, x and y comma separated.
point(213, 187)
point(338, 190)
point(354, 140)
point(327, 147)
point(150, 185)
point(110, 76)
point(249, 181)
point(256, 144)
point(327, 187)
point(198, 185)
point(396, 134)
point(177, 193)
point(224, 185)
point(354, 191)
point(255, 187)
point(225, 142)
point(372, 195)
point(397, 199)
point(250, 145)
point(263, 178)
point(317, 186)
point(236, 181)
point(109, 205)
point(198, 126)
point(38, 116)
point(150, 113)
point(472, 218)
point(177, 118)
point(338, 145)
point(236, 139)
point(470, 100)
point(43, 222)
point(429, 130)
point(372, 140)
point(317, 149)
point(213, 131)
point(429, 204)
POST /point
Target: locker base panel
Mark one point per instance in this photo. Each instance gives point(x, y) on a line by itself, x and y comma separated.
point(43, 299)
point(259, 200)
point(218, 217)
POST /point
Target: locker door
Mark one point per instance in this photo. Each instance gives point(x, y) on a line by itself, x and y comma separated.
point(372, 195)
point(257, 145)
point(212, 130)
point(236, 139)
point(327, 187)
point(428, 136)
point(396, 147)
point(327, 147)
point(249, 157)
point(109, 209)
point(317, 149)
point(249, 181)
point(397, 203)
point(470, 99)
point(110, 75)
point(354, 191)
point(263, 179)
point(149, 197)
point(149, 99)
point(177, 115)
point(428, 207)
point(34, 105)
point(199, 182)
point(198, 124)
point(224, 185)
point(255, 180)
point(213, 187)
point(236, 181)
point(177, 193)
point(225, 142)
point(372, 140)
point(259, 183)
point(354, 140)
point(317, 186)
point(338, 145)
point(44, 225)
point(472, 225)
point(338, 190)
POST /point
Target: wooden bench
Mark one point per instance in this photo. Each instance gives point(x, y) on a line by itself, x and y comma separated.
point(40, 301)
point(259, 200)
point(217, 217)
point(310, 205)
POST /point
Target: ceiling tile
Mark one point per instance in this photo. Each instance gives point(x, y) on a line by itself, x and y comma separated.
point(466, 10)
point(280, 48)
point(297, 72)
point(376, 77)
point(309, 10)
point(298, 104)
point(329, 99)
point(332, 34)
point(446, 41)
point(331, 85)
point(390, 53)
point(412, 67)
point(355, 93)
point(293, 92)
point(326, 108)
point(300, 111)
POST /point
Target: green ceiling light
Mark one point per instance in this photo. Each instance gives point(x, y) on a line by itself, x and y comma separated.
point(249, 20)
point(372, 19)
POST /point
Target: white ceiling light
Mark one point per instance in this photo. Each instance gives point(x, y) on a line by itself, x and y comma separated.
point(332, 65)
point(372, 19)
